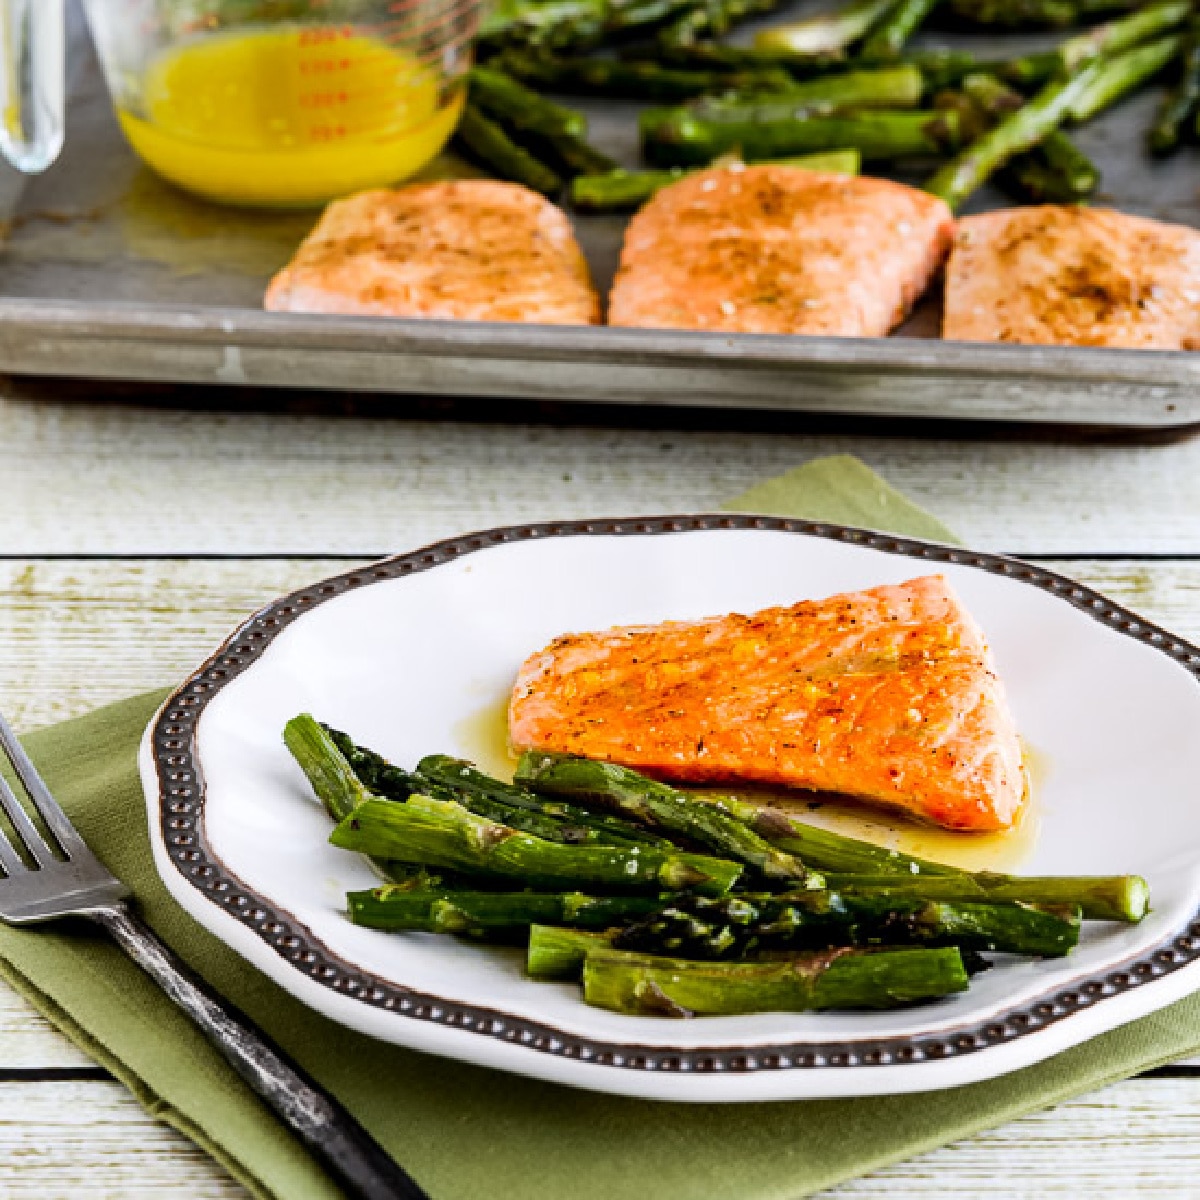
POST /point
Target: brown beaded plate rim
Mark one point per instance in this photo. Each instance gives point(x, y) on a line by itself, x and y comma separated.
point(181, 799)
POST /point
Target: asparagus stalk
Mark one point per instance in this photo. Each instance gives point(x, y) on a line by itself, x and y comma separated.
point(332, 777)
point(898, 86)
point(1124, 34)
point(440, 833)
point(825, 850)
point(507, 99)
point(638, 80)
point(717, 56)
point(1018, 132)
point(453, 910)
point(636, 16)
point(555, 130)
point(684, 138)
point(1098, 897)
point(464, 783)
point(667, 987)
point(1182, 101)
point(452, 779)
point(660, 807)
point(380, 777)
point(851, 864)
point(941, 67)
point(552, 22)
point(739, 926)
point(1016, 14)
point(829, 32)
point(1116, 77)
point(714, 18)
point(556, 953)
point(1107, 39)
point(889, 37)
point(485, 141)
point(1056, 170)
point(619, 191)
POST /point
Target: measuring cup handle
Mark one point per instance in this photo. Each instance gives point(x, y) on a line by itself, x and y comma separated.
point(33, 86)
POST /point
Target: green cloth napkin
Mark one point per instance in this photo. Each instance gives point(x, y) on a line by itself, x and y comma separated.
point(466, 1132)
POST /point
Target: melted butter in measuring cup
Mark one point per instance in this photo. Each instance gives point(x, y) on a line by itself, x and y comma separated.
point(289, 115)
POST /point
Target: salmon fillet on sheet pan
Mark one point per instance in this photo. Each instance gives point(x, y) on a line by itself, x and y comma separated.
point(471, 250)
point(775, 249)
point(1061, 275)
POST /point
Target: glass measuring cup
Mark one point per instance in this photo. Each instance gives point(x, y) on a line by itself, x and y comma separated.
point(267, 102)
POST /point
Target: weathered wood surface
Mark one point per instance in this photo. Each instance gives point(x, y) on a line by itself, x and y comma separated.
point(77, 479)
point(67, 1139)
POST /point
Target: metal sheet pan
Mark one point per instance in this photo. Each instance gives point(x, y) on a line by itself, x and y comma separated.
point(105, 272)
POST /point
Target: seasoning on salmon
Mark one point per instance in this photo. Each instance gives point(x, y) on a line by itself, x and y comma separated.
point(887, 695)
point(774, 249)
point(471, 250)
point(1059, 275)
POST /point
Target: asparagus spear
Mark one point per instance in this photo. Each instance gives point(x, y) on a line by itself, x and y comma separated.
point(1098, 897)
point(463, 781)
point(941, 67)
point(637, 80)
point(509, 100)
point(1016, 14)
point(486, 141)
point(452, 779)
point(455, 910)
point(332, 777)
point(637, 16)
point(828, 32)
point(739, 926)
point(1124, 34)
point(556, 953)
point(1019, 131)
point(889, 37)
point(683, 138)
point(660, 807)
point(822, 848)
point(544, 22)
point(619, 191)
point(716, 56)
point(669, 987)
point(555, 130)
point(850, 864)
point(440, 833)
point(1056, 170)
point(1182, 101)
point(898, 86)
point(1116, 77)
point(714, 18)
point(1107, 39)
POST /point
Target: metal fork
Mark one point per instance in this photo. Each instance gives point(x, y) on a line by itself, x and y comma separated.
point(75, 883)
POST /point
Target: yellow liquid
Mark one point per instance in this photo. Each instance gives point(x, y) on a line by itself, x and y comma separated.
point(483, 738)
point(289, 116)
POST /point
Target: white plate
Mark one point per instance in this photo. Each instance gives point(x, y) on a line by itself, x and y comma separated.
point(405, 654)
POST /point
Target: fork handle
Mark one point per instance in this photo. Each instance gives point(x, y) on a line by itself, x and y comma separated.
point(363, 1168)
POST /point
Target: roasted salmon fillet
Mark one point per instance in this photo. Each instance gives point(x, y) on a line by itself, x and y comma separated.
point(887, 695)
point(774, 249)
point(1074, 277)
point(472, 250)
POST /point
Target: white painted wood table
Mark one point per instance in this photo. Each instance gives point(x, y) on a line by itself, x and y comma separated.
point(134, 537)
